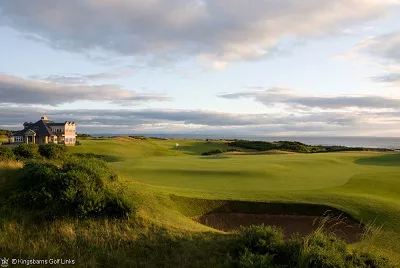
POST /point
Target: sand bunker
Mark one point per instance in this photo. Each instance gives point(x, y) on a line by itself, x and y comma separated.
point(348, 230)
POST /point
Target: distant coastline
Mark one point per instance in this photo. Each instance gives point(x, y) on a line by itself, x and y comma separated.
point(352, 141)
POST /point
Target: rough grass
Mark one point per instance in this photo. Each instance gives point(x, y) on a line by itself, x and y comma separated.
point(3, 139)
point(153, 169)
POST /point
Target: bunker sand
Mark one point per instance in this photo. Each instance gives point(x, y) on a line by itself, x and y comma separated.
point(348, 230)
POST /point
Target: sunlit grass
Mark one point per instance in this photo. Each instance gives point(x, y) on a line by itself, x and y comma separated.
point(361, 184)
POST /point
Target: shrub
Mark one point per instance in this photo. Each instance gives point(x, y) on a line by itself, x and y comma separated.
point(26, 151)
point(6, 153)
point(53, 151)
point(367, 260)
point(78, 143)
point(264, 246)
point(322, 250)
point(213, 152)
point(234, 150)
point(289, 252)
point(292, 146)
point(251, 260)
point(81, 188)
point(96, 169)
point(260, 239)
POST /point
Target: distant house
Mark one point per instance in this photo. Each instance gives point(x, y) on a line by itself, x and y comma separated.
point(45, 131)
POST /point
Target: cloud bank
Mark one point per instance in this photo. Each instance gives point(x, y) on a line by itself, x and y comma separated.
point(178, 121)
point(274, 96)
point(16, 90)
point(220, 31)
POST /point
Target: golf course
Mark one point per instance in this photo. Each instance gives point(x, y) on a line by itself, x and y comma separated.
point(364, 185)
point(174, 186)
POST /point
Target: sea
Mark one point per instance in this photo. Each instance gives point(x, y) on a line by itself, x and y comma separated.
point(366, 142)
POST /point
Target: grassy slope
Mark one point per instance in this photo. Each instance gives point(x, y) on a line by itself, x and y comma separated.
point(364, 184)
point(3, 139)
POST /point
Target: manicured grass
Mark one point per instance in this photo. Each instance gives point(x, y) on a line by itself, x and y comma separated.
point(364, 184)
point(156, 175)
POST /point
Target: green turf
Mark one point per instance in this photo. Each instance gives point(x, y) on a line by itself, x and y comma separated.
point(364, 184)
point(169, 183)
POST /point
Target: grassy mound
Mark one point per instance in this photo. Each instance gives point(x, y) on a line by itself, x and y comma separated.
point(6, 153)
point(79, 188)
point(53, 151)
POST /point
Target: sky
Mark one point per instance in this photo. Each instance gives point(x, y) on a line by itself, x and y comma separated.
point(208, 67)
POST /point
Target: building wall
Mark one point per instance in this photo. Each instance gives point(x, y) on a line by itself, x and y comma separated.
point(58, 130)
point(66, 134)
point(70, 134)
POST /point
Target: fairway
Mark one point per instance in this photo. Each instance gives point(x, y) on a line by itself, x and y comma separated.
point(364, 185)
point(159, 163)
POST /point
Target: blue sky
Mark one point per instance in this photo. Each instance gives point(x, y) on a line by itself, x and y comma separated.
point(204, 67)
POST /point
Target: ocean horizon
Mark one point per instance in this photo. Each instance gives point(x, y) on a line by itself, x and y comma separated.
point(350, 141)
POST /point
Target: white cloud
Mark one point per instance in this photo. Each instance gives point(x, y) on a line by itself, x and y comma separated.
point(221, 31)
point(23, 91)
point(127, 121)
point(381, 52)
point(274, 96)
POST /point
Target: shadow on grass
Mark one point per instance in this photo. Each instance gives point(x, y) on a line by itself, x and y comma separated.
point(7, 173)
point(197, 148)
point(388, 160)
point(213, 157)
point(104, 157)
point(102, 243)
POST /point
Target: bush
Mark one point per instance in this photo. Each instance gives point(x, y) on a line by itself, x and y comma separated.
point(367, 260)
point(53, 151)
point(79, 188)
point(322, 250)
point(6, 153)
point(234, 150)
point(264, 246)
point(293, 146)
point(217, 151)
point(26, 151)
point(96, 169)
point(251, 260)
point(260, 239)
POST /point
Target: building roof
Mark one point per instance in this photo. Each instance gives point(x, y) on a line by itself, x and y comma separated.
point(23, 132)
point(43, 130)
point(39, 128)
point(52, 124)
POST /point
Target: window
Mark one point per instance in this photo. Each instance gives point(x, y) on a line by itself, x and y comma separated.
point(19, 139)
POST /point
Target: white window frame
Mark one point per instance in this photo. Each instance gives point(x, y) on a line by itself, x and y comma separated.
point(18, 139)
